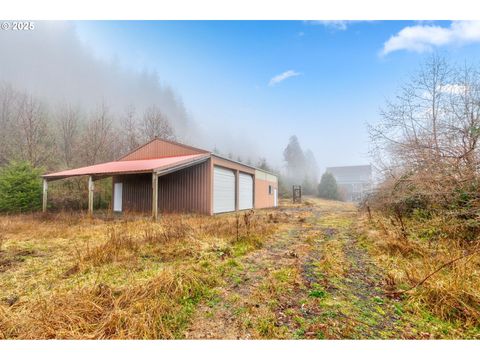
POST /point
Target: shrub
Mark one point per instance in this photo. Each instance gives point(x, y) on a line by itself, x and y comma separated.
point(327, 189)
point(20, 188)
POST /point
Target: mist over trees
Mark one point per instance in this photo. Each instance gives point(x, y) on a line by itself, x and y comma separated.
point(62, 107)
point(59, 67)
point(301, 167)
point(57, 137)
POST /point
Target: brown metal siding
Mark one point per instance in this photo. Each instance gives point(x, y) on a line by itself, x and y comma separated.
point(159, 148)
point(187, 190)
point(137, 192)
point(262, 198)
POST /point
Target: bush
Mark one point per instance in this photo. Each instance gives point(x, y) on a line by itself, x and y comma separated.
point(20, 188)
point(328, 189)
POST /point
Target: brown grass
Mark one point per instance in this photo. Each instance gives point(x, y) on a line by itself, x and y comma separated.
point(143, 311)
point(451, 293)
point(100, 279)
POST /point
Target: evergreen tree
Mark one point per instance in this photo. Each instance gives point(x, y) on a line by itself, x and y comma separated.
point(20, 188)
point(295, 160)
point(328, 189)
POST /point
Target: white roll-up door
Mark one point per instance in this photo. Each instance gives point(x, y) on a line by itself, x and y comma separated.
point(245, 186)
point(223, 190)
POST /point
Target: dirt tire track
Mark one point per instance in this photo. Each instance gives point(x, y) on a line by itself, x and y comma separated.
point(363, 310)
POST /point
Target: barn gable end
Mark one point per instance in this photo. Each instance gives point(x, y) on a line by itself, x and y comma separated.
point(158, 148)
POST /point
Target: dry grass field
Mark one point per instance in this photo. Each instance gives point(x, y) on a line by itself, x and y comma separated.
point(317, 270)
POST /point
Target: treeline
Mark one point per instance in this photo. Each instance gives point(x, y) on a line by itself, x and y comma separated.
point(37, 136)
point(60, 136)
point(43, 136)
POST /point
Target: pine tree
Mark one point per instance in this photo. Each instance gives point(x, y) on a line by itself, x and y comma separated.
point(295, 160)
point(328, 189)
point(20, 188)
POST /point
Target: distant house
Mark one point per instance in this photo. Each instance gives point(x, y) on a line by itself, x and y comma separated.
point(166, 176)
point(354, 182)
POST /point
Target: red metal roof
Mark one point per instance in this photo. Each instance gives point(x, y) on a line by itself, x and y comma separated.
point(129, 166)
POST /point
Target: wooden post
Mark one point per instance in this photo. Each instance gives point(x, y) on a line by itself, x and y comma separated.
point(154, 196)
point(90, 195)
point(45, 193)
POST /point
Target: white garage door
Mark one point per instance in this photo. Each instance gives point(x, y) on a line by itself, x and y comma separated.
point(245, 186)
point(223, 190)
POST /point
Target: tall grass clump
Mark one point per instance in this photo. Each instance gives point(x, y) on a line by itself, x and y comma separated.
point(157, 309)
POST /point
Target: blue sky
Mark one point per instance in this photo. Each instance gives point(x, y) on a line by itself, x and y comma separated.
point(343, 72)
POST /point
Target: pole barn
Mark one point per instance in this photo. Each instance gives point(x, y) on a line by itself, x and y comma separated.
point(168, 177)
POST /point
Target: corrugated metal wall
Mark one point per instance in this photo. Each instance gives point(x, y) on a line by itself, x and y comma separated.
point(158, 148)
point(137, 192)
point(187, 190)
point(190, 189)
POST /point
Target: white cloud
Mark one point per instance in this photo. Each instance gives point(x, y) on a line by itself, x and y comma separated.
point(422, 38)
point(332, 24)
point(283, 76)
point(453, 89)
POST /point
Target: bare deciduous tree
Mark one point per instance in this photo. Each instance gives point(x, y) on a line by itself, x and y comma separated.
point(129, 130)
point(99, 140)
point(35, 141)
point(427, 140)
point(156, 124)
point(68, 122)
point(8, 118)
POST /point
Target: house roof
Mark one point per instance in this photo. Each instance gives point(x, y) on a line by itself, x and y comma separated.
point(132, 166)
point(356, 173)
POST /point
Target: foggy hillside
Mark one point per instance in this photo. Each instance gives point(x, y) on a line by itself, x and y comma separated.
point(53, 64)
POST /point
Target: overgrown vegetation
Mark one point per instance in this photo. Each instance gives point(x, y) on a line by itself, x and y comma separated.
point(425, 213)
point(297, 272)
point(69, 277)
